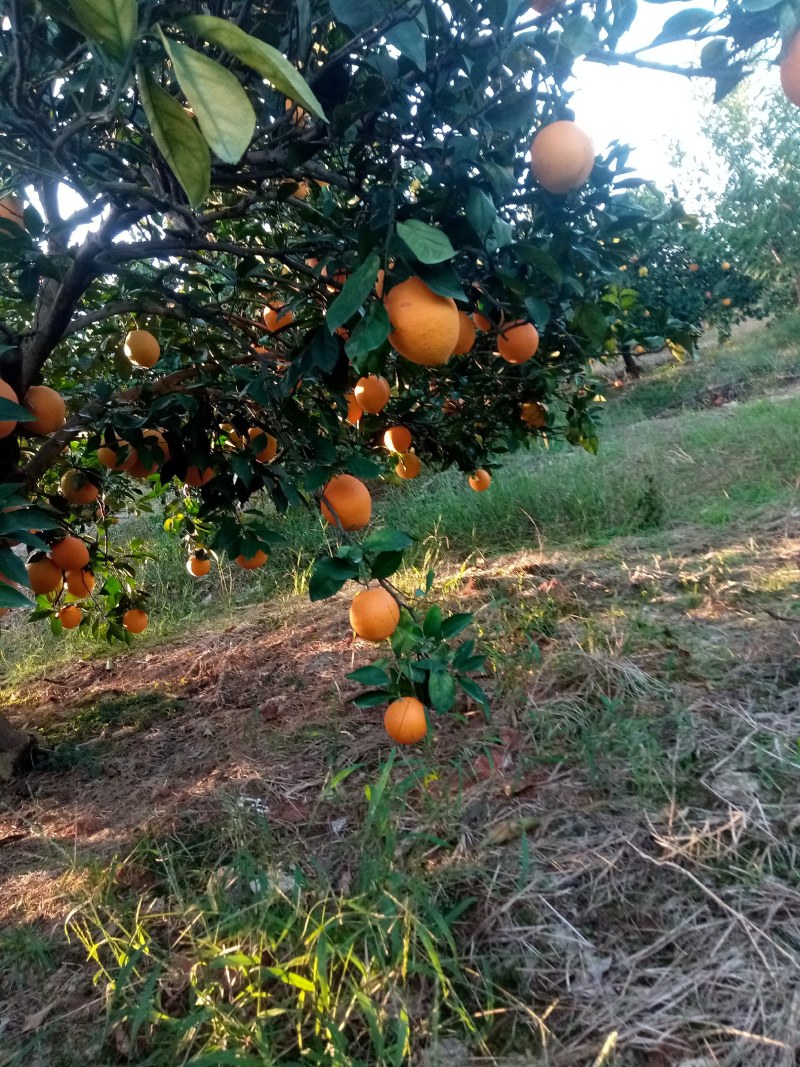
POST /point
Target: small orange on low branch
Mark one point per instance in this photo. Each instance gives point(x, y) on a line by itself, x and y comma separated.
point(252, 563)
point(198, 564)
point(135, 620)
point(346, 501)
point(44, 576)
point(80, 583)
point(258, 437)
point(372, 393)
point(374, 614)
point(562, 156)
point(142, 348)
point(409, 466)
point(518, 342)
point(405, 721)
point(197, 478)
point(48, 409)
point(533, 414)
point(480, 480)
point(70, 554)
point(276, 317)
point(78, 489)
point(70, 616)
point(397, 439)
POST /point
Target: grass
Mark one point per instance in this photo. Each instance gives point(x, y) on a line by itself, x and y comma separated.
point(605, 873)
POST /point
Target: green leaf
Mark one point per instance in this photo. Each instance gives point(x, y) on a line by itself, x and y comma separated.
point(432, 625)
point(56, 626)
point(579, 35)
point(11, 522)
point(12, 598)
point(541, 261)
point(223, 110)
point(454, 624)
point(429, 244)
point(363, 467)
point(683, 23)
point(387, 540)
point(112, 23)
point(354, 294)
point(369, 334)
point(442, 279)
point(385, 564)
point(481, 212)
point(357, 15)
point(329, 575)
point(372, 698)
point(261, 57)
point(370, 675)
point(407, 38)
point(178, 138)
point(12, 567)
point(472, 689)
point(441, 690)
point(11, 412)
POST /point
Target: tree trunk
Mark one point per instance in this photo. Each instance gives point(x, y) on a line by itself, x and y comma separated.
point(797, 285)
point(631, 366)
point(15, 747)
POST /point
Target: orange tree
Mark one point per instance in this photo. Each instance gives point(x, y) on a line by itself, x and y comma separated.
point(240, 240)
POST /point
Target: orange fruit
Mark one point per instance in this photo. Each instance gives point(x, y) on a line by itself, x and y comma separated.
point(397, 439)
point(372, 393)
point(466, 334)
point(70, 554)
point(481, 322)
point(374, 614)
point(480, 480)
point(251, 563)
point(48, 408)
point(405, 721)
point(726, 303)
point(346, 501)
point(270, 444)
point(379, 283)
point(79, 583)
point(276, 318)
point(136, 467)
point(70, 616)
point(43, 575)
point(234, 437)
point(7, 393)
point(135, 620)
point(533, 414)
point(302, 191)
point(198, 565)
point(107, 457)
point(518, 342)
point(426, 325)
point(562, 156)
point(354, 410)
point(11, 208)
point(195, 477)
point(409, 466)
point(725, 265)
point(790, 70)
point(142, 348)
point(694, 266)
point(77, 489)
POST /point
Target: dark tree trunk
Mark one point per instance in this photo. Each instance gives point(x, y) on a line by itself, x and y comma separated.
point(16, 747)
point(631, 366)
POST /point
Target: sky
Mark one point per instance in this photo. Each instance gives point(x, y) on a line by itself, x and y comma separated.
point(648, 110)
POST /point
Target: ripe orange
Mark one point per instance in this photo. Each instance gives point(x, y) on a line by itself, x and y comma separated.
point(48, 408)
point(409, 466)
point(790, 70)
point(70, 554)
point(480, 480)
point(533, 414)
point(372, 393)
point(136, 467)
point(77, 489)
point(426, 325)
point(518, 342)
point(108, 457)
point(726, 302)
point(270, 444)
point(374, 614)
point(466, 334)
point(135, 620)
point(142, 348)
point(562, 156)
point(694, 267)
point(7, 393)
point(346, 501)
point(481, 322)
point(70, 616)
point(405, 721)
point(354, 409)
point(195, 477)
point(725, 265)
point(198, 565)
point(79, 583)
point(397, 439)
point(234, 437)
point(302, 191)
point(43, 575)
point(276, 318)
point(251, 563)
point(11, 208)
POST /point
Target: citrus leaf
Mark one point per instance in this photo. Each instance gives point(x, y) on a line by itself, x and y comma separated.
point(112, 23)
point(427, 243)
point(261, 57)
point(370, 675)
point(11, 412)
point(329, 575)
point(455, 624)
point(472, 689)
point(387, 541)
point(441, 690)
point(371, 699)
point(223, 110)
point(369, 334)
point(178, 138)
point(12, 598)
point(12, 568)
point(432, 624)
point(354, 293)
point(385, 564)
